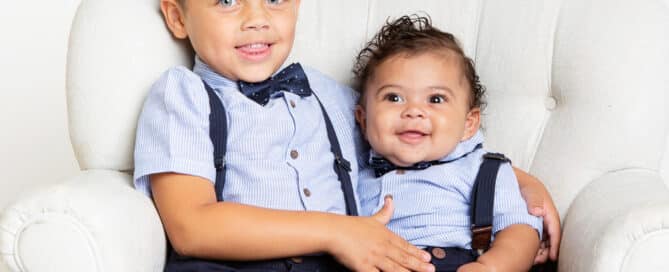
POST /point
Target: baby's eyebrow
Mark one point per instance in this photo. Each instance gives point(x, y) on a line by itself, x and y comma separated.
point(388, 86)
point(442, 88)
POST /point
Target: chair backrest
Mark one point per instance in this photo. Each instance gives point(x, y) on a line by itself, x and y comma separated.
point(575, 88)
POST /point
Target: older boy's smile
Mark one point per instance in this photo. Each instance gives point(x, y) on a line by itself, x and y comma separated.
point(255, 51)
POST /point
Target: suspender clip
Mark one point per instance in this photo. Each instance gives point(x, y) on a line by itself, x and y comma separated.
point(343, 163)
point(481, 237)
point(219, 163)
point(496, 156)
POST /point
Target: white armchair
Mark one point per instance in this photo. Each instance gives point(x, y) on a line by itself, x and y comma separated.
point(577, 92)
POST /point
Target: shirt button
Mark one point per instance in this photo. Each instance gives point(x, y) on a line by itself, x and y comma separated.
point(294, 154)
point(292, 103)
point(307, 193)
point(439, 253)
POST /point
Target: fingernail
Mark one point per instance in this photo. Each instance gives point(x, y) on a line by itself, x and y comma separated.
point(426, 256)
point(389, 196)
point(537, 210)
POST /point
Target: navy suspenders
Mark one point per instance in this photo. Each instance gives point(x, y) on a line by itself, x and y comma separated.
point(218, 131)
point(483, 199)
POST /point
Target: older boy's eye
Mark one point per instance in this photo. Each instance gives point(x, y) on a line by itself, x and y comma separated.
point(393, 98)
point(275, 2)
point(437, 99)
point(228, 3)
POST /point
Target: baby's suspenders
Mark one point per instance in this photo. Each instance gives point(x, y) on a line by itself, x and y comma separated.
point(481, 209)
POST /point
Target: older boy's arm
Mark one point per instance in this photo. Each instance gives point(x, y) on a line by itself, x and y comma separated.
point(512, 250)
point(199, 226)
point(540, 203)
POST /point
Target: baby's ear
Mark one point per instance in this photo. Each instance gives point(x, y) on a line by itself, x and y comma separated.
point(173, 13)
point(472, 123)
point(360, 117)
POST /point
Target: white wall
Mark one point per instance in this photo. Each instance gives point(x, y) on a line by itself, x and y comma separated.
point(34, 143)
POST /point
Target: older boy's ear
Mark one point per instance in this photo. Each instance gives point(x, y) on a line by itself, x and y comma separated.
point(472, 123)
point(360, 117)
point(173, 13)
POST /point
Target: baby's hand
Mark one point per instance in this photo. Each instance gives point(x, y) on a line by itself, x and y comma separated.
point(365, 244)
point(475, 267)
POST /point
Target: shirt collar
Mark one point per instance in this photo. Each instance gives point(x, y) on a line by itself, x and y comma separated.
point(215, 80)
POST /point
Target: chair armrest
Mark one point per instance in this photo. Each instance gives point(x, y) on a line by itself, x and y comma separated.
point(93, 222)
point(620, 222)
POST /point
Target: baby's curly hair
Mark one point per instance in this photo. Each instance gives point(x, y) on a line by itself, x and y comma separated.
point(413, 35)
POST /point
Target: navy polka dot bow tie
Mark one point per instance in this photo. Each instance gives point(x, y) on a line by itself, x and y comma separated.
point(382, 166)
point(290, 79)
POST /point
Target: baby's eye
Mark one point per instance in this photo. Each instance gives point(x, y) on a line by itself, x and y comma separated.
point(437, 99)
point(393, 98)
point(228, 3)
point(274, 2)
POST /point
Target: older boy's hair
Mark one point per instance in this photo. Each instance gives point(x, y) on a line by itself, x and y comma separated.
point(412, 35)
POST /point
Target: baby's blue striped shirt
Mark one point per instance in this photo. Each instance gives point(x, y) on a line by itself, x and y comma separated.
point(432, 205)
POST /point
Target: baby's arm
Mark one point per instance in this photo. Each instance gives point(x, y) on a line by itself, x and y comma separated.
point(513, 250)
point(199, 226)
point(516, 232)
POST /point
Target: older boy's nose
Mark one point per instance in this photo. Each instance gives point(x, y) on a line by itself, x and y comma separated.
point(255, 18)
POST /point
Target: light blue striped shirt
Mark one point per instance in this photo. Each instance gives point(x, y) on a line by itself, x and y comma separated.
point(173, 136)
point(432, 205)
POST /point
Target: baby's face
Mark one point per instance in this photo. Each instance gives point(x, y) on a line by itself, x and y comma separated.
point(242, 40)
point(416, 108)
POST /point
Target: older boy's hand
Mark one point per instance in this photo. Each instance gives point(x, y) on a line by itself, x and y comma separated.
point(540, 203)
point(365, 244)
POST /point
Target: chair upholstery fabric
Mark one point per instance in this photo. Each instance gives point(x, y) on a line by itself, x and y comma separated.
point(577, 96)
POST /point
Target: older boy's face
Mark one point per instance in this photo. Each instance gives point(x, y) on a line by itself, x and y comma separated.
point(416, 108)
point(241, 39)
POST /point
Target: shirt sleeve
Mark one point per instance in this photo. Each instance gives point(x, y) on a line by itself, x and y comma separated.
point(509, 206)
point(173, 130)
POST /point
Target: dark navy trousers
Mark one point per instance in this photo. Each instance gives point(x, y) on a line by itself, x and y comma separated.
point(322, 263)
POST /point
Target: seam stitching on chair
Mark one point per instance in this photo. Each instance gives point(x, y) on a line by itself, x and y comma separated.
point(645, 237)
point(76, 223)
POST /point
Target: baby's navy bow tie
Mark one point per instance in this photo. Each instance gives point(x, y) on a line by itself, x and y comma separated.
point(382, 166)
point(290, 79)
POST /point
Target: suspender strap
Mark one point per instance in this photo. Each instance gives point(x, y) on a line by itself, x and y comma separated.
point(483, 196)
point(218, 132)
point(341, 166)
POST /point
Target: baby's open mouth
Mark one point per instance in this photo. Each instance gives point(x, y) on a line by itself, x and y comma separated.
point(412, 136)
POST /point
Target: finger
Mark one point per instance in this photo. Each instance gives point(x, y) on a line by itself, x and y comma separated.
point(553, 226)
point(383, 216)
point(389, 265)
point(406, 260)
point(410, 249)
point(535, 202)
point(542, 256)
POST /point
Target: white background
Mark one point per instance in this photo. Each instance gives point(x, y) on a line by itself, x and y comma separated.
point(34, 142)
